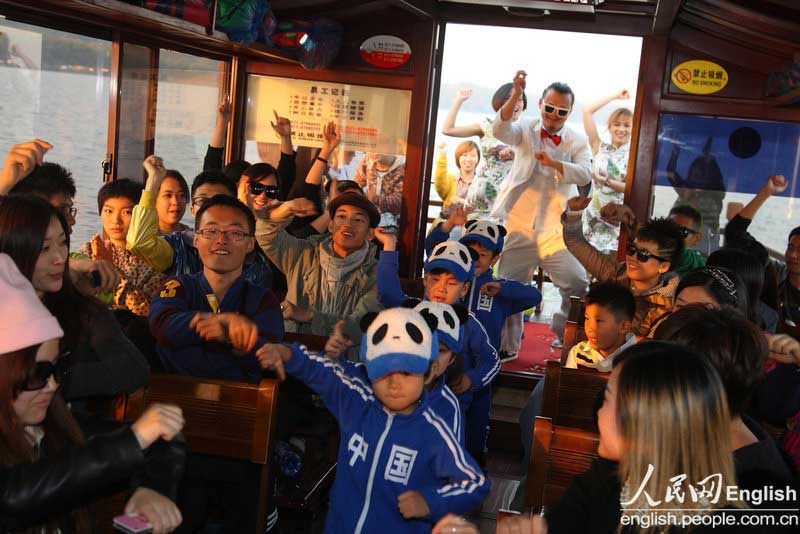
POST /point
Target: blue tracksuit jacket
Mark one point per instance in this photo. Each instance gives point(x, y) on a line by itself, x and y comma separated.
point(382, 455)
point(481, 363)
point(441, 399)
point(181, 349)
point(492, 312)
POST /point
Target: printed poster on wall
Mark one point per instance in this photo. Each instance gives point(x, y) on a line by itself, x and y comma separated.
point(372, 119)
point(373, 122)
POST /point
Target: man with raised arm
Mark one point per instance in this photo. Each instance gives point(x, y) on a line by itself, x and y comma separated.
point(551, 161)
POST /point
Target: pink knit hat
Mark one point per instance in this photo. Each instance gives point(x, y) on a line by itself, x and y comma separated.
point(25, 320)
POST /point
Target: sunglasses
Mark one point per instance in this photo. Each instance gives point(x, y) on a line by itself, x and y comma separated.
point(562, 112)
point(642, 254)
point(40, 375)
point(272, 191)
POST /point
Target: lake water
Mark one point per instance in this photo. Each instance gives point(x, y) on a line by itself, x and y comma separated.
point(70, 110)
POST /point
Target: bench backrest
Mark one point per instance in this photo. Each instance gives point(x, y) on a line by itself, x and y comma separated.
point(573, 329)
point(570, 395)
point(558, 454)
point(311, 341)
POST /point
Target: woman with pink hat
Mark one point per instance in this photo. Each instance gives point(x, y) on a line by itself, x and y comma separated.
point(48, 469)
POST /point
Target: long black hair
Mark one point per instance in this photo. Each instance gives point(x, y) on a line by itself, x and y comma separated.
point(23, 226)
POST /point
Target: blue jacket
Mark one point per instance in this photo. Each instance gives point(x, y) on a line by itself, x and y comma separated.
point(181, 349)
point(441, 399)
point(382, 455)
point(492, 312)
point(480, 360)
point(187, 260)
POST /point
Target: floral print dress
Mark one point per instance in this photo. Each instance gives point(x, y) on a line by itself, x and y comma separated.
point(489, 175)
point(613, 162)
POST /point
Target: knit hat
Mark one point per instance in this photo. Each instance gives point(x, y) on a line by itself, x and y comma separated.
point(450, 322)
point(398, 339)
point(26, 322)
point(453, 257)
point(485, 233)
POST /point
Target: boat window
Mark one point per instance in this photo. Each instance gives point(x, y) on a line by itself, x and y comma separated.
point(54, 85)
point(717, 165)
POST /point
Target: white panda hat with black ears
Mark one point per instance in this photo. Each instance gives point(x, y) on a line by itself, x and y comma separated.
point(453, 257)
point(450, 321)
point(486, 233)
point(398, 339)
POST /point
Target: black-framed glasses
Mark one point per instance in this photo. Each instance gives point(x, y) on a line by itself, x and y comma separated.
point(562, 112)
point(40, 375)
point(199, 201)
point(272, 191)
point(214, 233)
point(642, 254)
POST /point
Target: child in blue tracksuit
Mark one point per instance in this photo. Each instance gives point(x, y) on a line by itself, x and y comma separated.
point(400, 468)
point(492, 301)
point(448, 273)
point(450, 330)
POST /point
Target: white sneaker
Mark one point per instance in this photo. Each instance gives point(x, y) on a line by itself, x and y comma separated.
point(507, 356)
point(556, 344)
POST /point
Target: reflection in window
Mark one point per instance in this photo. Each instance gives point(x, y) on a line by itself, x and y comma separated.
point(188, 94)
point(716, 165)
point(54, 86)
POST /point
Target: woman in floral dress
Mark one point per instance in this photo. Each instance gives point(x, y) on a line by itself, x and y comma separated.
point(496, 158)
point(610, 166)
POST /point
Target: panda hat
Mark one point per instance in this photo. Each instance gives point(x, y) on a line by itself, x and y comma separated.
point(450, 320)
point(485, 233)
point(453, 257)
point(398, 339)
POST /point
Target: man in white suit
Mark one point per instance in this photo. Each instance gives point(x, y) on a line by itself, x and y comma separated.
point(551, 161)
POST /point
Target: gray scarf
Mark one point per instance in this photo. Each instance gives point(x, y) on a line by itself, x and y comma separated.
point(334, 270)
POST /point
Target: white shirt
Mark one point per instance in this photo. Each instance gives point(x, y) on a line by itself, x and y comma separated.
point(534, 196)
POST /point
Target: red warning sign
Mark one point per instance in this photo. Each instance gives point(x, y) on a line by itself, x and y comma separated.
point(385, 51)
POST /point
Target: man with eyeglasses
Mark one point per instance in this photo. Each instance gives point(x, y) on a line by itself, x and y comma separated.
point(175, 253)
point(551, 161)
point(209, 323)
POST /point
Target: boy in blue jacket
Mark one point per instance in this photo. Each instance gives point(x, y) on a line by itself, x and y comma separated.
point(492, 301)
point(400, 468)
point(210, 323)
point(450, 330)
point(448, 273)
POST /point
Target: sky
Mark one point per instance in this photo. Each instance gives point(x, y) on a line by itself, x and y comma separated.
point(592, 64)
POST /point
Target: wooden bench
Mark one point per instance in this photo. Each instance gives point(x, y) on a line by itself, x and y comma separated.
point(561, 454)
point(570, 395)
point(311, 341)
point(573, 329)
point(233, 420)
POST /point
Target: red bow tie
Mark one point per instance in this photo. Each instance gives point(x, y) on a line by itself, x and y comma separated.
point(555, 137)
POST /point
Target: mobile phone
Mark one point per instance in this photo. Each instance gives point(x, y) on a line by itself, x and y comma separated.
point(132, 524)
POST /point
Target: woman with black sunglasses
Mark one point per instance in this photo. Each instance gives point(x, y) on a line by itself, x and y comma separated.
point(49, 470)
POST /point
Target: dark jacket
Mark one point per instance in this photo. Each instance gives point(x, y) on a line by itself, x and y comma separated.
point(33, 494)
point(181, 349)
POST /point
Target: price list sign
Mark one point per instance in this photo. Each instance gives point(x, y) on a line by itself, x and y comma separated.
point(370, 118)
